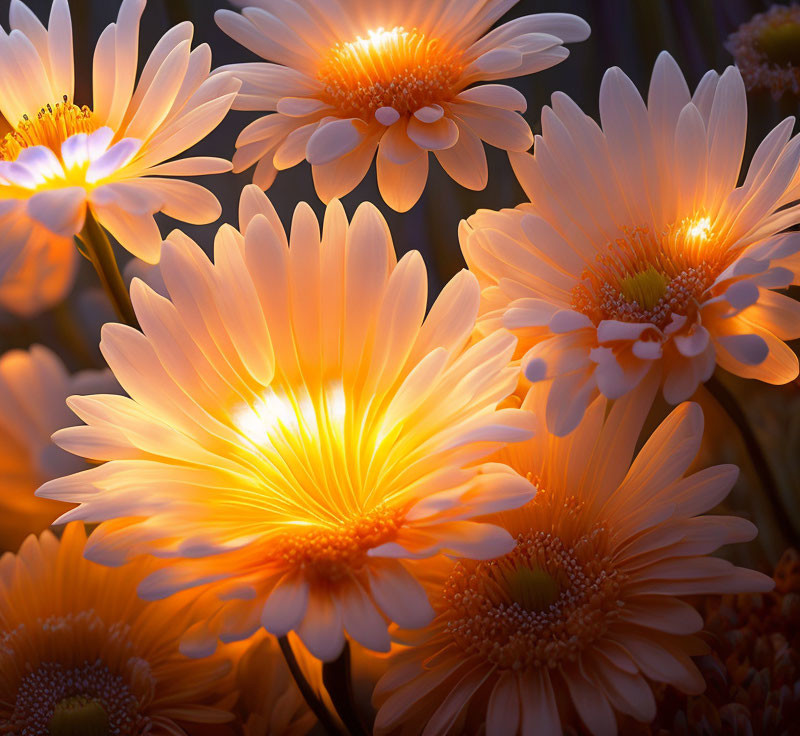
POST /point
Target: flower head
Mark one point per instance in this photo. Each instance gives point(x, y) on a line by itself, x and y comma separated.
point(34, 386)
point(61, 156)
point(646, 257)
point(587, 609)
point(80, 653)
point(767, 50)
point(361, 76)
point(296, 431)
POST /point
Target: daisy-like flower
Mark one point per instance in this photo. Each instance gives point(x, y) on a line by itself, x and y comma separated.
point(296, 431)
point(355, 76)
point(587, 609)
point(767, 50)
point(34, 386)
point(80, 653)
point(62, 159)
point(638, 251)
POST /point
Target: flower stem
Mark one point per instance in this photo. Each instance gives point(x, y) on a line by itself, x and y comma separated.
point(98, 250)
point(338, 681)
point(733, 409)
point(314, 703)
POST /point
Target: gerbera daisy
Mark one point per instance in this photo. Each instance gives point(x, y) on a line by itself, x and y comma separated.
point(767, 50)
point(296, 432)
point(638, 251)
point(587, 609)
point(34, 386)
point(357, 76)
point(80, 653)
point(64, 163)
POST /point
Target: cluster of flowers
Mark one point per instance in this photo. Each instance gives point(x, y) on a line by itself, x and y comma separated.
point(294, 468)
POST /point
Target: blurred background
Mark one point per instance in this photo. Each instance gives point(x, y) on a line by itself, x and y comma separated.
point(625, 33)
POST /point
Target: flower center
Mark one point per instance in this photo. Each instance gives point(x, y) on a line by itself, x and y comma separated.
point(330, 554)
point(539, 605)
point(780, 42)
point(52, 126)
point(399, 68)
point(644, 278)
point(79, 716)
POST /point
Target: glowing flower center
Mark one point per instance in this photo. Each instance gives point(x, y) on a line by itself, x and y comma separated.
point(780, 41)
point(51, 127)
point(73, 675)
point(330, 554)
point(399, 68)
point(643, 278)
point(539, 605)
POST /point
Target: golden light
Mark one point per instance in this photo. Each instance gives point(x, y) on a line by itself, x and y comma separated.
point(700, 228)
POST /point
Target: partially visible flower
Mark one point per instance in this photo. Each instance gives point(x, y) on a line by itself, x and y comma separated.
point(359, 76)
point(37, 268)
point(270, 703)
point(297, 430)
point(571, 627)
point(638, 252)
point(61, 158)
point(753, 670)
point(767, 50)
point(80, 653)
point(34, 386)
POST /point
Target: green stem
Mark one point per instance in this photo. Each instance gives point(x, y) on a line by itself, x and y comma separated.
point(98, 250)
point(312, 700)
point(732, 408)
point(338, 681)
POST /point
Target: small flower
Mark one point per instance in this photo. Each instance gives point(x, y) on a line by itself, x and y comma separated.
point(34, 386)
point(571, 627)
point(296, 432)
point(767, 50)
point(638, 251)
point(361, 76)
point(80, 653)
point(61, 158)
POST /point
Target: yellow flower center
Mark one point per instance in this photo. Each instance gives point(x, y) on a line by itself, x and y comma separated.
point(398, 68)
point(646, 288)
point(542, 603)
point(52, 126)
point(642, 277)
point(780, 42)
point(79, 716)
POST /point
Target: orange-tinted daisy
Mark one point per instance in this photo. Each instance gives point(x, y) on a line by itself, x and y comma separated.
point(639, 252)
point(62, 159)
point(80, 653)
point(767, 50)
point(352, 77)
point(587, 609)
point(34, 386)
point(297, 430)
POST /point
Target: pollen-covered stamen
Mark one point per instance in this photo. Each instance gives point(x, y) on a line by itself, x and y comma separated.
point(52, 126)
point(644, 278)
point(398, 68)
point(328, 554)
point(541, 604)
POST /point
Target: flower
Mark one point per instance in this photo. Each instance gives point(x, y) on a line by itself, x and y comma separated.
point(766, 50)
point(753, 670)
point(295, 432)
point(639, 252)
point(81, 653)
point(34, 386)
point(572, 624)
point(62, 159)
point(361, 76)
